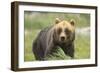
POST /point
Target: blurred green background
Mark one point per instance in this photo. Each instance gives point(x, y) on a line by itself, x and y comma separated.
point(34, 22)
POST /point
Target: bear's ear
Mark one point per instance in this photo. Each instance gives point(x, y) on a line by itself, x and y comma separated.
point(57, 20)
point(72, 22)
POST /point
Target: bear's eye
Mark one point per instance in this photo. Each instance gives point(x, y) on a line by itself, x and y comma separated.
point(67, 31)
point(59, 30)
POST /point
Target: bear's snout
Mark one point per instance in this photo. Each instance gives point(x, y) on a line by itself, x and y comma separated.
point(62, 38)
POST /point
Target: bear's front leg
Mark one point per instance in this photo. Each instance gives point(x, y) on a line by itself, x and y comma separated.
point(69, 50)
point(48, 50)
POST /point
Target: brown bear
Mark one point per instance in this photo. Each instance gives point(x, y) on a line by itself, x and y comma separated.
point(61, 34)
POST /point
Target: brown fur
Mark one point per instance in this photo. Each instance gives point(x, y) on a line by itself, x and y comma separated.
point(62, 35)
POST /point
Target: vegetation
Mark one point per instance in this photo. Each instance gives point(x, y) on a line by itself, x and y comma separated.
point(36, 21)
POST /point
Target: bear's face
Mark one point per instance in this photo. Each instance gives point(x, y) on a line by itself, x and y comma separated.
point(64, 31)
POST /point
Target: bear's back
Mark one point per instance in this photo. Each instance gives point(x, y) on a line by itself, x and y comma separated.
point(43, 35)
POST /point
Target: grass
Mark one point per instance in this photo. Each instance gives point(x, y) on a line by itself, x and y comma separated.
point(29, 38)
point(35, 21)
point(82, 47)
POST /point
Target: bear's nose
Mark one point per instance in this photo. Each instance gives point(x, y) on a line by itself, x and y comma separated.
point(62, 38)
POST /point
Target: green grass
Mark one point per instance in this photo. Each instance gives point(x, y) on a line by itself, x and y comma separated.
point(38, 20)
point(29, 38)
point(34, 23)
point(82, 47)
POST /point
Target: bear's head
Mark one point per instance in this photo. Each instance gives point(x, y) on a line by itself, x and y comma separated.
point(64, 31)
